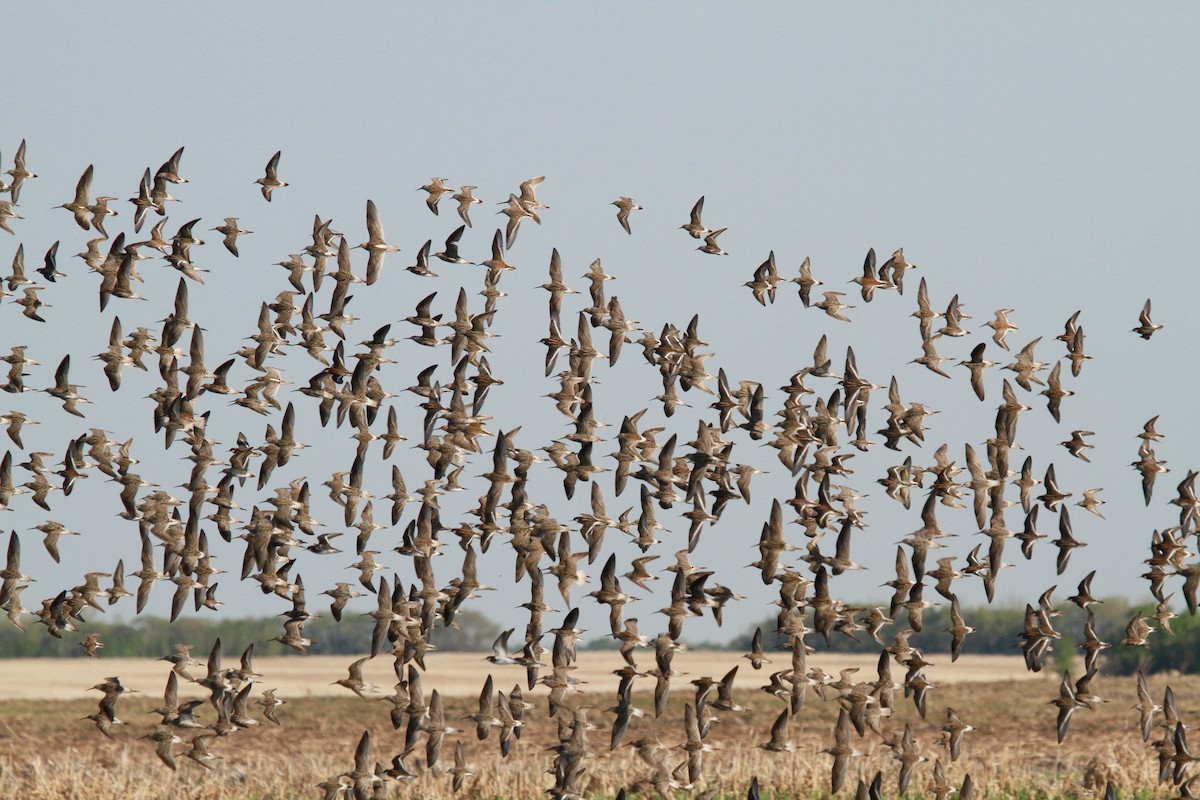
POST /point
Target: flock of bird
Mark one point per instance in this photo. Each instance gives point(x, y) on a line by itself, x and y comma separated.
point(823, 412)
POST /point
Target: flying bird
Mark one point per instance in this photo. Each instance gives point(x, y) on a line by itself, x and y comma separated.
point(270, 182)
point(625, 207)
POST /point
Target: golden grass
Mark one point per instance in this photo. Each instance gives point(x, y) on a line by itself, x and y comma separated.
point(46, 751)
point(452, 674)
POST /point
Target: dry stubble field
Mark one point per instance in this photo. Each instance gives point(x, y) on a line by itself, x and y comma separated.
point(48, 751)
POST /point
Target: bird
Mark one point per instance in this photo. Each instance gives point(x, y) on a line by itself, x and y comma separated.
point(841, 751)
point(1001, 326)
point(270, 181)
point(625, 207)
point(1066, 704)
point(354, 681)
point(163, 738)
point(710, 245)
point(778, 743)
point(435, 189)
point(79, 205)
point(64, 390)
point(1146, 327)
point(231, 231)
point(19, 173)
point(958, 630)
point(833, 306)
point(91, 645)
point(466, 199)
point(451, 255)
point(806, 281)
point(1078, 443)
point(1054, 392)
point(694, 227)
point(954, 730)
point(376, 245)
point(500, 654)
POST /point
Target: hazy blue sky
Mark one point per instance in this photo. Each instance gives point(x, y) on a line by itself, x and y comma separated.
point(1034, 156)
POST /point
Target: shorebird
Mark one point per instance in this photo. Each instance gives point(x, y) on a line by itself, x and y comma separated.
point(778, 743)
point(515, 211)
point(1026, 367)
point(7, 213)
point(199, 750)
point(841, 751)
point(1150, 466)
point(64, 390)
point(958, 629)
point(756, 655)
point(977, 364)
point(528, 200)
point(1077, 444)
point(354, 681)
point(376, 245)
point(270, 182)
point(270, 703)
point(868, 282)
point(91, 645)
point(1001, 326)
point(894, 268)
point(231, 231)
point(833, 306)
point(451, 255)
point(1054, 392)
point(500, 654)
point(79, 205)
point(1066, 704)
point(625, 207)
point(930, 358)
point(465, 200)
point(435, 189)
point(49, 268)
point(1146, 706)
point(694, 227)
point(19, 173)
point(1146, 327)
point(163, 738)
point(806, 281)
point(710, 245)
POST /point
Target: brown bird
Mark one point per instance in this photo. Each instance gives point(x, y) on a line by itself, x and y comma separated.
point(710, 245)
point(270, 182)
point(694, 227)
point(79, 205)
point(1077, 444)
point(625, 207)
point(231, 231)
point(355, 682)
point(163, 738)
point(91, 644)
point(841, 751)
point(465, 200)
point(958, 630)
point(1146, 327)
point(1066, 705)
point(778, 743)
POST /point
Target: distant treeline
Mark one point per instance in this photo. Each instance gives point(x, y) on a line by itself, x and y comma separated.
point(999, 629)
point(153, 637)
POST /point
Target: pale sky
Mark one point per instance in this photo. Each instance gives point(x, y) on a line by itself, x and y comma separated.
point(1039, 157)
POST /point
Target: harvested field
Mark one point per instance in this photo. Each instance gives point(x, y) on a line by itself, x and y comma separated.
point(1013, 749)
point(452, 674)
